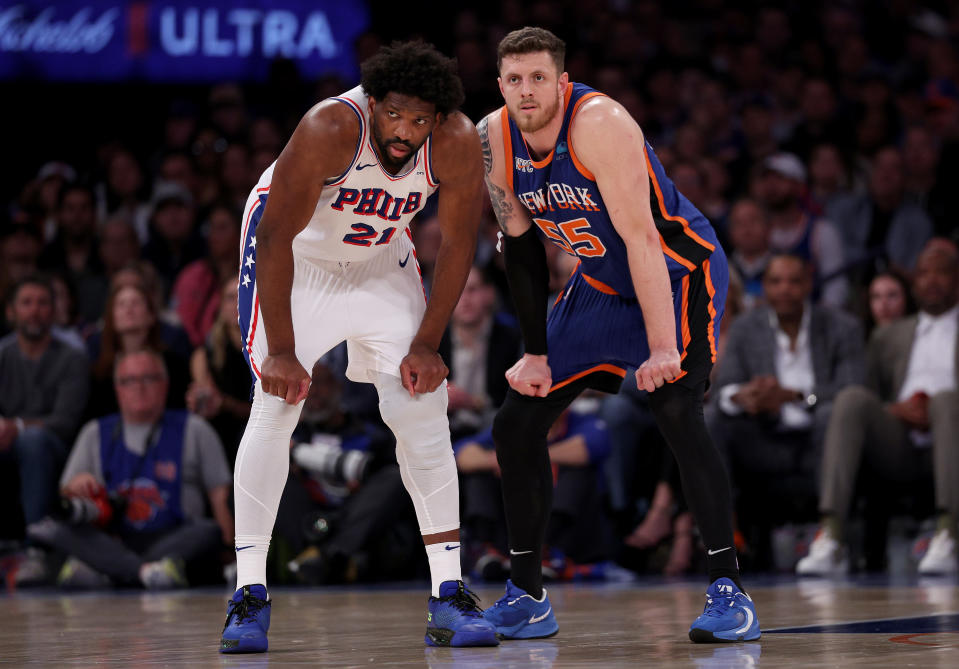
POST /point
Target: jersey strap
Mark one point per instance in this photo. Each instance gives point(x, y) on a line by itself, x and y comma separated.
point(361, 117)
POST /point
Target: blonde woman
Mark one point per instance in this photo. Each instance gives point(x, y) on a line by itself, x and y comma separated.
point(220, 379)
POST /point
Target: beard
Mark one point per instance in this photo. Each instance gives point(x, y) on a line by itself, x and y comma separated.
point(935, 302)
point(780, 203)
point(535, 122)
point(32, 331)
point(382, 146)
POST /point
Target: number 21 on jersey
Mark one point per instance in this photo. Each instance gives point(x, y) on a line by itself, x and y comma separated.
point(365, 233)
point(570, 236)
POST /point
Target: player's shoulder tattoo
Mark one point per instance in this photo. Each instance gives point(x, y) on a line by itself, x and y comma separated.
point(502, 207)
point(483, 128)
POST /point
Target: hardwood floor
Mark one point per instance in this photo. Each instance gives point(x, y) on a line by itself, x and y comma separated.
point(600, 626)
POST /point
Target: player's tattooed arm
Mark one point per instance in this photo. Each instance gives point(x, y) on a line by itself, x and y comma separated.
point(483, 128)
point(502, 207)
point(513, 218)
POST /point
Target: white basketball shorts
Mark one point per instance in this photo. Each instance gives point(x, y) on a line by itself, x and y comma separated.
point(376, 306)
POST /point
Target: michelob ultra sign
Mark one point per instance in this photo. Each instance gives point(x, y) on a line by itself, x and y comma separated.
point(170, 40)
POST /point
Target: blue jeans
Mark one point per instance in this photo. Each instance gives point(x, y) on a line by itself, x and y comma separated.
point(39, 455)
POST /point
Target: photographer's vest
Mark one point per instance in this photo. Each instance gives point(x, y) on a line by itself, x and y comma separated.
point(149, 484)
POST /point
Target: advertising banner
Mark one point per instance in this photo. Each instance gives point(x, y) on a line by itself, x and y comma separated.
point(177, 41)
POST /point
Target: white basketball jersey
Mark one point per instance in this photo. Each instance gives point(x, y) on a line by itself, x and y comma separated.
point(363, 210)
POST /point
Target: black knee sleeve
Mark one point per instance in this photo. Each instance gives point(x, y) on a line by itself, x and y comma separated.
point(679, 415)
point(519, 431)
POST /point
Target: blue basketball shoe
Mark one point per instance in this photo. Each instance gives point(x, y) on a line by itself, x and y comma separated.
point(516, 615)
point(454, 619)
point(247, 621)
point(729, 615)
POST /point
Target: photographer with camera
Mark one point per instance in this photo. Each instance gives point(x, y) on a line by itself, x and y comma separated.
point(136, 487)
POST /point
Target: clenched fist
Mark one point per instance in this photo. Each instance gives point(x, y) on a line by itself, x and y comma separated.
point(530, 376)
point(662, 366)
point(283, 375)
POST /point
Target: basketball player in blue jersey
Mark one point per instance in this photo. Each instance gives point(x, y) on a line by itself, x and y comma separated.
point(327, 257)
point(569, 165)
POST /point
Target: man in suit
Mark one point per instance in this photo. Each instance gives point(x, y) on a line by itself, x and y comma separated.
point(909, 404)
point(783, 365)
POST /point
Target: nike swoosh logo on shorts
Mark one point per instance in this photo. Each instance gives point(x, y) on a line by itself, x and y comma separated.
point(512, 552)
point(719, 551)
point(536, 619)
point(363, 167)
point(243, 548)
point(452, 548)
point(405, 260)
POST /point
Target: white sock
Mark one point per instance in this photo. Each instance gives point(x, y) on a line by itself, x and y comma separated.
point(444, 560)
point(251, 553)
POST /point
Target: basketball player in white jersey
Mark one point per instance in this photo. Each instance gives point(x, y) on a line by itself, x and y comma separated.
point(327, 257)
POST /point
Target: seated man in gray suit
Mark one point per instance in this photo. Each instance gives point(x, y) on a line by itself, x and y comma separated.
point(783, 365)
point(910, 403)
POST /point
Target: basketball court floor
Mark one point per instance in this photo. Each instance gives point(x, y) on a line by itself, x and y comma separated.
point(851, 623)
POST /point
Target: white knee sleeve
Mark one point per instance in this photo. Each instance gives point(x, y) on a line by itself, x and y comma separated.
point(423, 451)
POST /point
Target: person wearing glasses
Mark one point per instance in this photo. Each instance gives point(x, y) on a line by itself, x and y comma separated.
point(135, 488)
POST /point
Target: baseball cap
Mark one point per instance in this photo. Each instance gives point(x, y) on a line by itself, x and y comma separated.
point(170, 191)
point(57, 169)
point(787, 165)
point(930, 23)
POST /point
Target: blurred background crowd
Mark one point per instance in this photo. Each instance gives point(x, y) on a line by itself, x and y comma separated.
point(821, 139)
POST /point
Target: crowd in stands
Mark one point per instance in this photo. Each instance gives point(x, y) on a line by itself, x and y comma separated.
point(820, 139)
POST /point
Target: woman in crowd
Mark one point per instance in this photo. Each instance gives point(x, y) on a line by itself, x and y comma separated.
point(196, 293)
point(889, 299)
point(220, 387)
point(130, 323)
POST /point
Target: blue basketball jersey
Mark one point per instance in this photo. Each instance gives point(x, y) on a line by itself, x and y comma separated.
point(151, 483)
point(564, 202)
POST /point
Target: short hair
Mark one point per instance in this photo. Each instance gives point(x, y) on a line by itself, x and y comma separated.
point(236, 213)
point(74, 187)
point(151, 352)
point(178, 153)
point(416, 69)
point(748, 199)
point(484, 272)
point(31, 280)
point(804, 264)
point(941, 246)
point(532, 40)
point(11, 230)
